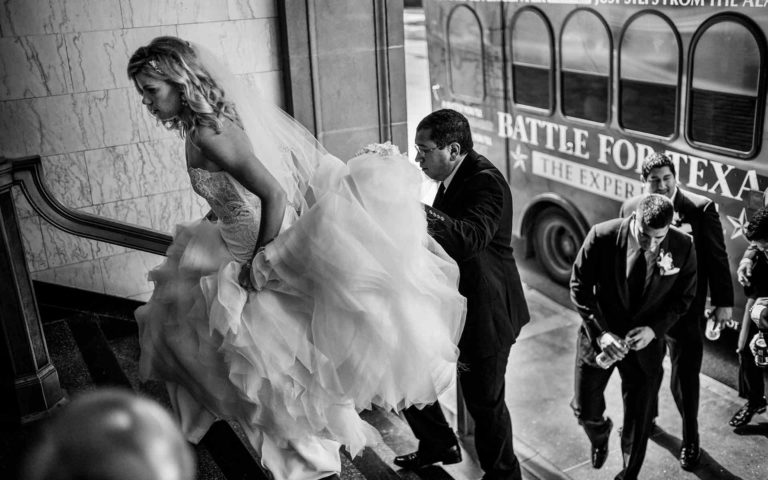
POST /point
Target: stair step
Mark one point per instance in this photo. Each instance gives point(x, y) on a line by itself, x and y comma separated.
point(57, 302)
point(350, 471)
point(399, 440)
point(232, 455)
point(207, 468)
point(74, 375)
point(371, 466)
point(98, 355)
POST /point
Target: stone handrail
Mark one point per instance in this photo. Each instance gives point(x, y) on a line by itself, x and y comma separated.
point(27, 174)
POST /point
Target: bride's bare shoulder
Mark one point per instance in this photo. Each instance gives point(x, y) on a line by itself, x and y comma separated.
point(221, 147)
point(208, 136)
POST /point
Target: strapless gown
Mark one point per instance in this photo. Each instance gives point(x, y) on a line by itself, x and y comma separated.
point(357, 306)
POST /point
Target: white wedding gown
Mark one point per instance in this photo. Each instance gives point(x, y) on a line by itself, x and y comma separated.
point(357, 306)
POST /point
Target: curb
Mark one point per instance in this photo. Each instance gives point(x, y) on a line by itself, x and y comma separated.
point(535, 465)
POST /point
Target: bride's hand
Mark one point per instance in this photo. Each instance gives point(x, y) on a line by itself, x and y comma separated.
point(253, 280)
point(244, 278)
point(211, 217)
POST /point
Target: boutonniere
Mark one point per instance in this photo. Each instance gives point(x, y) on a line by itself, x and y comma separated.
point(677, 220)
point(666, 264)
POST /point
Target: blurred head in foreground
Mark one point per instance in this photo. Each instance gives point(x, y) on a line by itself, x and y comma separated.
point(110, 434)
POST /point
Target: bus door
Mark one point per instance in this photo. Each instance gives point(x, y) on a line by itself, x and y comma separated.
point(466, 61)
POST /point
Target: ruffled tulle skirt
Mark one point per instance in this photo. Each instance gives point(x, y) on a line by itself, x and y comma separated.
point(357, 306)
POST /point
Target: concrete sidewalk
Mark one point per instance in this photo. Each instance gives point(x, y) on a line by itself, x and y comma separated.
point(551, 444)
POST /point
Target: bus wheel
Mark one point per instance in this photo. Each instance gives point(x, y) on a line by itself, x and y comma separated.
point(556, 241)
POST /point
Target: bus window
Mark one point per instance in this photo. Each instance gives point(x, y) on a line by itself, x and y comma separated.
point(465, 54)
point(585, 56)
point(649, 71)
point(532, 60)
point(725, 111)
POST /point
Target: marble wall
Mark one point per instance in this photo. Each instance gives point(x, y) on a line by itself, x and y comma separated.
point(64, 95)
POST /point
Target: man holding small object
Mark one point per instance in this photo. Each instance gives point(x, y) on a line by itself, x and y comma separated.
point(696, 215)
point(632, 280)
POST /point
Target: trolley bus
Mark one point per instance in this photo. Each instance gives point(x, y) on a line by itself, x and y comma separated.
point(567, 97)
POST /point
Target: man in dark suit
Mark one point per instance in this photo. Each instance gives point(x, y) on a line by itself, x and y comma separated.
point(632, 280)
point(471, 218)
point(696, 215)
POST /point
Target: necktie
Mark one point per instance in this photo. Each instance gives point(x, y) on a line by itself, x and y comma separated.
point(636, 281)
point(440, 195)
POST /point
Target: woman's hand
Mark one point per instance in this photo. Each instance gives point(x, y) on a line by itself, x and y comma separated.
point(210, 216)
point(244, 278)
point(250, 279)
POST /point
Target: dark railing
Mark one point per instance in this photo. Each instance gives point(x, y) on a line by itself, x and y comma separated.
point(27, 174)
point(29, 383)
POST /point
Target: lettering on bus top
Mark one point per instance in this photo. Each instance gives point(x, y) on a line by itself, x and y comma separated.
point(619, 156)
point(652, 3)
point(463, 109)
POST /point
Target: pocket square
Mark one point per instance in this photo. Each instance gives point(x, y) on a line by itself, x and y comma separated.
point(671, 271)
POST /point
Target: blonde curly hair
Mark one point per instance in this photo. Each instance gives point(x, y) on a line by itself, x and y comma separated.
point(175, 61)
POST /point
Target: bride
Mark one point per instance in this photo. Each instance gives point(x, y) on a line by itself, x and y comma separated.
point(310, 292)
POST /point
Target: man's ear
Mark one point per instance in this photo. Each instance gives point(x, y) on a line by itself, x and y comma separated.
point(455, 149)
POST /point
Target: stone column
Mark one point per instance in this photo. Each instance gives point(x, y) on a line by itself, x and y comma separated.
point(29, 383)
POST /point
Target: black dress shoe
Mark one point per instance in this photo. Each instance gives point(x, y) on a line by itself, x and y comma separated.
point(744, 415)
point(415, 460)
point(689, 456)
point(599, 454)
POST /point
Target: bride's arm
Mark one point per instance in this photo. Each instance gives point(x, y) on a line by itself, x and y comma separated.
point(231, 151)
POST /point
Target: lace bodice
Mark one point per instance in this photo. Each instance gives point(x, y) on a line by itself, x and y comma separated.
point(239, 210)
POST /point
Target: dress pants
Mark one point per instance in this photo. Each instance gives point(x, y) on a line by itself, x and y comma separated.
point(686, 350)
point(641, 373)
point(482, 383)
point(751, 383)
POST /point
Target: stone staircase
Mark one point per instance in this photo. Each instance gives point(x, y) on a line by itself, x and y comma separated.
point(93, 341)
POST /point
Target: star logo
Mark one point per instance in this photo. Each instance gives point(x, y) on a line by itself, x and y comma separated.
point(738, 224)
point(519, 157)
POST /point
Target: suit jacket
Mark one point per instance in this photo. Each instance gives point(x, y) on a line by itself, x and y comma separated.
point(599, 282)
point(698, 217)
point(473, 223)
